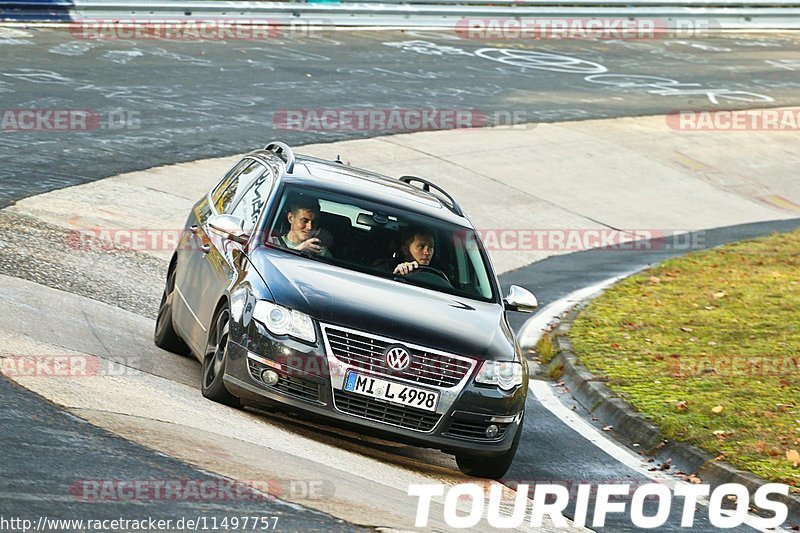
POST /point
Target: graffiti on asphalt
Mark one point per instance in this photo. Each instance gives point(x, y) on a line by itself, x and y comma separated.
point(595, 73)
point(541, 61)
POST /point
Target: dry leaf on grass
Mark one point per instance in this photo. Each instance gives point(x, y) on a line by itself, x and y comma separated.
point(723, 434)
point(793, 457)
point(717, 409)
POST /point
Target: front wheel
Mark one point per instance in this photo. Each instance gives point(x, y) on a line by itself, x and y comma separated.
point(214, 361)
point(489, 467)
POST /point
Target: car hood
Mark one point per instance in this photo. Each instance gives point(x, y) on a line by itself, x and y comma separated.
point(389, 308)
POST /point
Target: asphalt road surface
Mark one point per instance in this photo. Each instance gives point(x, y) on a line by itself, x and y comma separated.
point(48, 454)
point(162, 101)
point(55, 467)
point(165, 101)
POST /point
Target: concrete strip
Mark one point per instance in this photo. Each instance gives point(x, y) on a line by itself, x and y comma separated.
point(627, 173)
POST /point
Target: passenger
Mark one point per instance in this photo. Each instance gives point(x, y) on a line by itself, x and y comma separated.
point(417, 246)
point(303, 217)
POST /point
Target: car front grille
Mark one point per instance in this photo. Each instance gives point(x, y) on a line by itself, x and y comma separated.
point(295, 387)
point(387, 413)
point(474, 430)
point(365, 351)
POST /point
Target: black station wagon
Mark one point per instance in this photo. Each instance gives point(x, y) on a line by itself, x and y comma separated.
point(366, 300)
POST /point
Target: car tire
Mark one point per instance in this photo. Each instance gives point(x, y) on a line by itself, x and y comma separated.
point(490, 467)
point(165, 335)
point(215, 360)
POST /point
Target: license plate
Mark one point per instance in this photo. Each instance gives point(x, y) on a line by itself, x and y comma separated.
point(391, 391)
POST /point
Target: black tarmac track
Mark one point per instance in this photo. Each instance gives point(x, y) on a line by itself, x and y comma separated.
point(159, 102)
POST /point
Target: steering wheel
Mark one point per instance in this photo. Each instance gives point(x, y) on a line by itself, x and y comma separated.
point(423, 269)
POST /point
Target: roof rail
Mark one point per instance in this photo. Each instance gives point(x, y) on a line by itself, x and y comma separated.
point(427, 185)
point(283, 151)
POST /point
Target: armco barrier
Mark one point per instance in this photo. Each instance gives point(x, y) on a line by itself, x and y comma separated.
point(724, 14)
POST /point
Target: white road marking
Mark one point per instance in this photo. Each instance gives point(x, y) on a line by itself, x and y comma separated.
point(532, 330)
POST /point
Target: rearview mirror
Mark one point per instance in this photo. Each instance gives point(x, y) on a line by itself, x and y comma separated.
point(230, 226)
point(520, 299)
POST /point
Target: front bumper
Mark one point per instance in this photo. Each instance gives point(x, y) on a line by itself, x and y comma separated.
point(311, 379)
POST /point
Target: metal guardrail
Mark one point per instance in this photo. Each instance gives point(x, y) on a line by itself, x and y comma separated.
point(721, 14)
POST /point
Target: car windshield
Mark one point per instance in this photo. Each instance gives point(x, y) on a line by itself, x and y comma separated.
point(380, 240)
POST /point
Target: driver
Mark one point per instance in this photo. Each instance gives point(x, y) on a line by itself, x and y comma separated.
point(417, 246)
point(303, 216)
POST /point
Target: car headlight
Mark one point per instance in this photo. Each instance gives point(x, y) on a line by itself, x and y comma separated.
point(505, 375)
point(280, 320)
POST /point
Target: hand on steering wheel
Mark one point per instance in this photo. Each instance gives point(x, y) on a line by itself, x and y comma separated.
point(433, 270)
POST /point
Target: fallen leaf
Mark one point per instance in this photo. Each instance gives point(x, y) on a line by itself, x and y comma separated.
point(654, 279)
point(686, 329)
point(682, 405)
point(793, 457)
point(717, 409)
point(718, 295)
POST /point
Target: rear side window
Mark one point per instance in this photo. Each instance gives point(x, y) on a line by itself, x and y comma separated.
point(218, 194)
point(238, 186)
point(255, 184)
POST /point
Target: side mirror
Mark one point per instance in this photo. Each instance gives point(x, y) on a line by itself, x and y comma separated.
point(520, 299)
point(230, 226)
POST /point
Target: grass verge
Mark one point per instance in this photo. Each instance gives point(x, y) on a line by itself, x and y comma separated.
point(707, 346)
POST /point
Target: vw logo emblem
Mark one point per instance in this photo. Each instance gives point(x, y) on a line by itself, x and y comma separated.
point(397, 358)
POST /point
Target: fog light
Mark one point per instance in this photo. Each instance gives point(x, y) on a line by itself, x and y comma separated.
point(492, 431)
point(270, 377)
